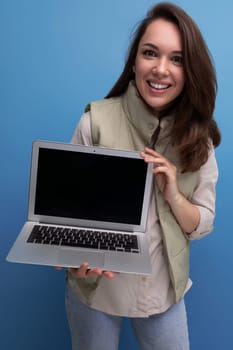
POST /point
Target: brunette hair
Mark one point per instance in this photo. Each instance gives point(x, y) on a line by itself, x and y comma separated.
point(194, 124)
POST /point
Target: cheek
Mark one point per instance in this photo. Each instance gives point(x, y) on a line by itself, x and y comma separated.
point(139, 67)
point(140, 77)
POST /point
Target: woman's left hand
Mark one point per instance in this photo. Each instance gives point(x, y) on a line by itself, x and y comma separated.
point(186, 213)
point(165, 174)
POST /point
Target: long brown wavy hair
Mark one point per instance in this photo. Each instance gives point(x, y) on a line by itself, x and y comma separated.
point(194, 124)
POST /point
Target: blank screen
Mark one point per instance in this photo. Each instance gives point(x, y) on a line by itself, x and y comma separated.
point(90, 186)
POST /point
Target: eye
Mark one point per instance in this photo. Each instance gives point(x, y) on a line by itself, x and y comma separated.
point(177, 60)
point(149, 53)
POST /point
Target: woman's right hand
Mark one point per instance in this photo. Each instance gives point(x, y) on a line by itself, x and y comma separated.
point(83, 271)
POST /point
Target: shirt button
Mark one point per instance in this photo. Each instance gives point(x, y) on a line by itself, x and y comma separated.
point(151, 126)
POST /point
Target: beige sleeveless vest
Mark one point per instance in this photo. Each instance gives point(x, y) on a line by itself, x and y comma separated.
point(125, 122)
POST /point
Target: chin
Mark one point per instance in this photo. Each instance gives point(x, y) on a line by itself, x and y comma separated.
point(158, 106)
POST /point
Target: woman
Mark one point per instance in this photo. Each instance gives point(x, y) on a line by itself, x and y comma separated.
point(162, 105)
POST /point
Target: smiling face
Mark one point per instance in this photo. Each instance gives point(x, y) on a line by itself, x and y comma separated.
point(158, 68)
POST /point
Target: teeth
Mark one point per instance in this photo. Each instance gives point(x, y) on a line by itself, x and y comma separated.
point(158, 86)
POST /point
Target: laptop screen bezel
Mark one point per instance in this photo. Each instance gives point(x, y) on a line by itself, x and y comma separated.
point(46, 219)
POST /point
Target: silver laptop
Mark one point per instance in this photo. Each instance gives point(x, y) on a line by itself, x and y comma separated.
point(86, 204)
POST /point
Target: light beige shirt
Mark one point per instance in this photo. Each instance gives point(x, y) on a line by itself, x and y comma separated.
point(141, 296)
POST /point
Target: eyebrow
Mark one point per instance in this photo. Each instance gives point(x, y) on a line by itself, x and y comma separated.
point(155, 47)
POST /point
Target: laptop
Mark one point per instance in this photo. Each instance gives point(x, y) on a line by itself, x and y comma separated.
point(86, 203)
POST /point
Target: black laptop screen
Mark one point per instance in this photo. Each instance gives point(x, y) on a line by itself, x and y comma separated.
point(90, 186)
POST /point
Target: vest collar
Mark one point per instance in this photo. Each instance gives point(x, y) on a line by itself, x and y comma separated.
point(142, 117)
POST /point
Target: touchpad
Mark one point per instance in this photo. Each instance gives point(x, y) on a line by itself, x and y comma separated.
point(73, 258)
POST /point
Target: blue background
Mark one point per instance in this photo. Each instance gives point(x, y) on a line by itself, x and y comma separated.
point(57, 55)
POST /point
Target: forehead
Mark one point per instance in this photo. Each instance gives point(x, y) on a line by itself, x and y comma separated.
point(162, 33)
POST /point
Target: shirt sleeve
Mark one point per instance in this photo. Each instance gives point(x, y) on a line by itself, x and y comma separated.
point(204, 197)
point(82, 132)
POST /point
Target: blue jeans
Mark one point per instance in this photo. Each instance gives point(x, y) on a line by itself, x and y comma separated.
point(92, 329)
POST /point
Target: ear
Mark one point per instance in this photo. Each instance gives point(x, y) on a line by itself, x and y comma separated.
point(133, 68)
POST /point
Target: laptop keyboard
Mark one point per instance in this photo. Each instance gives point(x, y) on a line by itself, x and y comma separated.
point(84, 238)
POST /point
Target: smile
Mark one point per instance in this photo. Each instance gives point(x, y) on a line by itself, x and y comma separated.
point(158, 86)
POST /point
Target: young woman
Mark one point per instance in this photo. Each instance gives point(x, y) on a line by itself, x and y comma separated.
point(162, 106)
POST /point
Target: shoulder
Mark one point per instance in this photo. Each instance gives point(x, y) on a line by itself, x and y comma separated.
point(82, 133)
point(105, 111)
point(84, 122)
point(104, 104)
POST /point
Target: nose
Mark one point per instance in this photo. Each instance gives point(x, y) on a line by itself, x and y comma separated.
point(162, 67)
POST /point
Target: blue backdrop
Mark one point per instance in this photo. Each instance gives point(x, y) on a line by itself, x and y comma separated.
point(57, 55)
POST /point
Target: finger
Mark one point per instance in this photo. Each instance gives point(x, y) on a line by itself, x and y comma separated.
point(58, 267)
point(81, 271)
point(161, 169)
point(98, 271)
point(152, 159)
point(84, 271)
point(109, 274)
point(151, 152)
point(95, 271)
point(146, 155)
